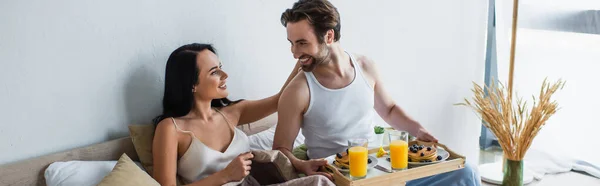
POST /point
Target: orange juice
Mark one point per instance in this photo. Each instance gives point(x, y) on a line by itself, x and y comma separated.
point(398, 154)
point(358, 157)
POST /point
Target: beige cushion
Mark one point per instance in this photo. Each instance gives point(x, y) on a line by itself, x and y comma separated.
point(142, 136)
point(127, 173)
point(272, 167)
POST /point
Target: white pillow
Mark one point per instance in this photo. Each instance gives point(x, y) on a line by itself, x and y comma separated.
point(81, 173)
point(264, 140)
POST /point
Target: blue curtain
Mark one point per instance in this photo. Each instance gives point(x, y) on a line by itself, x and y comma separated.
point(487, 138)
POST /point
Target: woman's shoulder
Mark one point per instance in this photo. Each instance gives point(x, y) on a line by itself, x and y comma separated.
point(231, 112)
point(166, 126)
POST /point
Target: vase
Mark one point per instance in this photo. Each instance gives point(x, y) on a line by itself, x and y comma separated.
point(513, 173)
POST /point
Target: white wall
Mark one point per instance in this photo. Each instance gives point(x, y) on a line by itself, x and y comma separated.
point(76, 73)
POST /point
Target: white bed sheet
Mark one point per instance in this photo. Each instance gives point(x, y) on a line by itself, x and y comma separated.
point(264, 140)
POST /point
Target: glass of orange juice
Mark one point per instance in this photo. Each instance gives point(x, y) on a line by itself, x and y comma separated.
point(358, 155)
point(398, 149)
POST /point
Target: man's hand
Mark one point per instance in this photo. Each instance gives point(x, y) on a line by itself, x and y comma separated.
point(310, 167)
point(424, 135)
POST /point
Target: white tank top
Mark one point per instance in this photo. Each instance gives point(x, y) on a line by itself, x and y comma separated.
point(200, 161)
point(336, 115)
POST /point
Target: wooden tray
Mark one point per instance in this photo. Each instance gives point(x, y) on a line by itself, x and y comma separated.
point(378, 177)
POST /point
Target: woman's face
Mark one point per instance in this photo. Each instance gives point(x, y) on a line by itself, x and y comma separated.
point(211, 78)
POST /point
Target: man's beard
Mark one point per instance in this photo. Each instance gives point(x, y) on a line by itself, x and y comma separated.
point(322, 58)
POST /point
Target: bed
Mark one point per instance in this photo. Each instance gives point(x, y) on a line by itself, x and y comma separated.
point(31, 171)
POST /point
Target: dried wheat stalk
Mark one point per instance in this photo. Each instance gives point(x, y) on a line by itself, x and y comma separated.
point(514, 125)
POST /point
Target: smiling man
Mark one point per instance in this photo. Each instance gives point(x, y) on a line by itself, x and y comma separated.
point(333, 100)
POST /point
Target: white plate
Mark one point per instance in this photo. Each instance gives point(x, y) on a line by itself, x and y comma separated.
point(331, 158)
point(440, 152)
point(492, 173)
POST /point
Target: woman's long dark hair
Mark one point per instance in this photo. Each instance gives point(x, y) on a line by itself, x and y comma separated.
point(181, 74)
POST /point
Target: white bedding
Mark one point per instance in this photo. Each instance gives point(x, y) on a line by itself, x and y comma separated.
point(264, 140)
point(543, 162)
point(80, 173)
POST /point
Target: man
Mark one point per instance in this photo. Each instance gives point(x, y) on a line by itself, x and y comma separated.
point(332, 100)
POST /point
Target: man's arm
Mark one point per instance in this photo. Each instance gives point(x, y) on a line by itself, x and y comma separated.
point(387, 108)
point(292, 105)
point(289, 118)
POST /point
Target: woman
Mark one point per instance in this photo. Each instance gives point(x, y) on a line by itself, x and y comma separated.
point(196, 135)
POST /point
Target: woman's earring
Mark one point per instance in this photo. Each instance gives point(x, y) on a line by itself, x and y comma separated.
point(193, 90)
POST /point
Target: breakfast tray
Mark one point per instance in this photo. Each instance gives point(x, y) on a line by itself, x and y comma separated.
point(378, 177)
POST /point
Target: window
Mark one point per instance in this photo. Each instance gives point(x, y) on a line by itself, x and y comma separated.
point(556, 39)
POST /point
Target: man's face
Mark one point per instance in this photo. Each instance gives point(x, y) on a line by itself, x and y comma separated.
point(305, 45)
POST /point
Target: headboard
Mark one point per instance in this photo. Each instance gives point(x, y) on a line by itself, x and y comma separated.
point(31, 171)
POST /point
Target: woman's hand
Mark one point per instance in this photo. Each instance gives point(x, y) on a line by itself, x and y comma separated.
point(239, 167)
